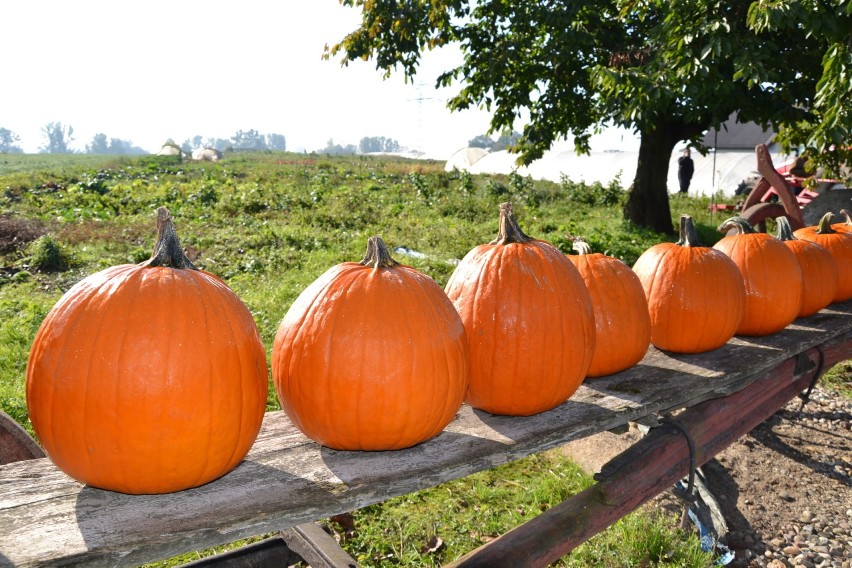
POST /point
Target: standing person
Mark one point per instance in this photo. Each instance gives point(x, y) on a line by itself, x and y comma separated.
point(685, 169)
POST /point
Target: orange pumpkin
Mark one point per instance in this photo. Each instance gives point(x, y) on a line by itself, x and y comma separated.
point(695, 294)
point(839, 244)
point(819, 271)
point(371, 356)
point(771, 273)
point(529, 320)
point(148, 378)
point(622, 323)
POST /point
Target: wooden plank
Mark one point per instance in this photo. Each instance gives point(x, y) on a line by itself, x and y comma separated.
point(286, 480)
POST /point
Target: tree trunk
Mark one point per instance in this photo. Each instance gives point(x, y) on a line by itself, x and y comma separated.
point(648, 201)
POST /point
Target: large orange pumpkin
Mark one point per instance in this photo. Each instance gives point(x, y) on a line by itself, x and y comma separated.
point(695, 294)
point(839, 244)
point(148, 378)
point(622, 323)
point(820, 274)
point(529, 320)
point(772, 277)
point(371, 356)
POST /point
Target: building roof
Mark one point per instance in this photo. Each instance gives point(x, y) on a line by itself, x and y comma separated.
point(738, 135)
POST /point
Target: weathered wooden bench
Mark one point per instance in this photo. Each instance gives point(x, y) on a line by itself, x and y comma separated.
point(706, 401)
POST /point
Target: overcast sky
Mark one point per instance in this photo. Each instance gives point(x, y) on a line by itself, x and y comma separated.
point(153, 70)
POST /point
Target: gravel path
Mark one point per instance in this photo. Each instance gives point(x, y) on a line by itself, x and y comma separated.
point(786, 488)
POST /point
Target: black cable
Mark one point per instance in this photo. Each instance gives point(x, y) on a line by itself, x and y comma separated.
point(688, 496)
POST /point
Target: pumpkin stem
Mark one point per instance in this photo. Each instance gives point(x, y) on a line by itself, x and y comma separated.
point(846, 216)
point(581, 246)
point(785, 231)
point(509, 231)
point(688, 236)
point(742, 226)
point(824, 227)
point(378, 255)
point(167, 250)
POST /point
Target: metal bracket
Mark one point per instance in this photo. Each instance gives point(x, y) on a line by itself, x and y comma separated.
point(307, 543)
point(647, 423)
point(800, 359)
point(316, 547)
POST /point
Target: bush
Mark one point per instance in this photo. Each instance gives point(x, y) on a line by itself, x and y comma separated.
point(45, 255)
point(594, 194)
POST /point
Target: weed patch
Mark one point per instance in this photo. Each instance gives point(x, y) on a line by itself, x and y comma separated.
point(46, 255)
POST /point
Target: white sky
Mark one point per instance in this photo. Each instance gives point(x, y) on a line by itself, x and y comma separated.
point(153, 70)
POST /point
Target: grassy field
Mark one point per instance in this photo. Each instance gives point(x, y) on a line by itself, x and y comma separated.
point(271, 223)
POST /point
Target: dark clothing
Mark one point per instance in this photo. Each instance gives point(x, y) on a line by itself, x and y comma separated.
point(685, 169)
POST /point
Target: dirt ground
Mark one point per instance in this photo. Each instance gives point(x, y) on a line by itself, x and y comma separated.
point(785, 489)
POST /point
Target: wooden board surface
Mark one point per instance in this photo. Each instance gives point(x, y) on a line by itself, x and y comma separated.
point(48, 519)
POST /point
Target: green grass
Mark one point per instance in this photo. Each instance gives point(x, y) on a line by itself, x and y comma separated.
point(271, 223)
point(839, 378)
point(469, 512)
point(19, 320)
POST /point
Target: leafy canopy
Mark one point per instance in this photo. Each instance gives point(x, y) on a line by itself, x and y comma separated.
point(572, 67)
point(826, 127)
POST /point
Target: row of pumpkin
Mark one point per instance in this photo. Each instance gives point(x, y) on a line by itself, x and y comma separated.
point(152, 378)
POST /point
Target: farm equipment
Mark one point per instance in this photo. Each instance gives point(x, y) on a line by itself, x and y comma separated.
point(780, 192)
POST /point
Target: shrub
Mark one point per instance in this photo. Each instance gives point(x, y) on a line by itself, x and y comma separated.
point(595, 193)
point(45, 255)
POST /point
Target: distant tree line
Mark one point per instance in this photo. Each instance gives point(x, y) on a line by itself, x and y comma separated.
point(373, 144)
point(58, 137)
point(9, 142)
point(241, 141)
point(505, 141)
point(367, 145)
point(101, 145)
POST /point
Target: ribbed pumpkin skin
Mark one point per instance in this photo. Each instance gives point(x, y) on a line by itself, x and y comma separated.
point(371, 359)
point(622, 322)
point(820, 275)
point(772, 278)
point(147, 380)
point(839, 245)
point(530, 324)
point(695, 295)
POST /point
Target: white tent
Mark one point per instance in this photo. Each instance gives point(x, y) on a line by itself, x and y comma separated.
point(465, 158)
point(169, 150)
point(730, 168)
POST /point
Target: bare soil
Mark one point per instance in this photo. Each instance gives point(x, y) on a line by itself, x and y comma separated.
point(785, 489)
point(16, 233)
